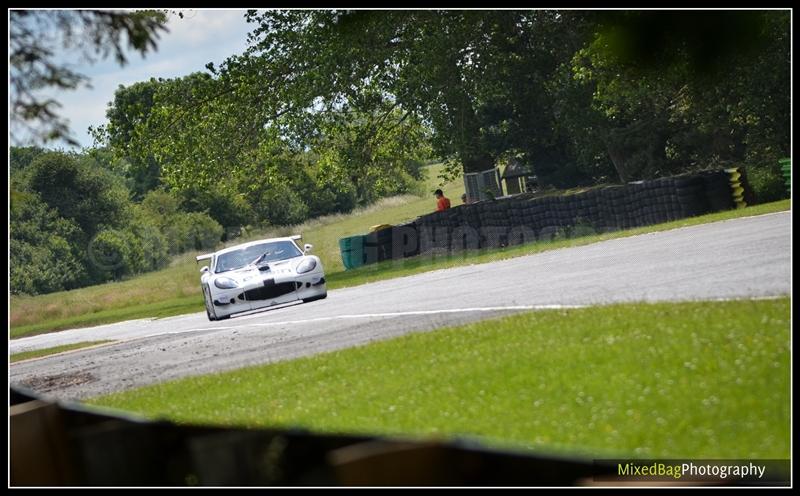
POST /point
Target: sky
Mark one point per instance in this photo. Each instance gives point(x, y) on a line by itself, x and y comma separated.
point(202, 36)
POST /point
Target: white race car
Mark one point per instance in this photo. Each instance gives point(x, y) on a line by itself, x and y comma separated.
point(260, 274)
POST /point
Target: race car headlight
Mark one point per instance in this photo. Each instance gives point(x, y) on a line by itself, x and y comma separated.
point(306, 265)
point(225, 283)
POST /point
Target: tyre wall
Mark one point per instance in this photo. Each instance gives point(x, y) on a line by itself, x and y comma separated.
point(525, 218)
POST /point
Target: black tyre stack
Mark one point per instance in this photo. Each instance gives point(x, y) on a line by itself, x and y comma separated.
point(718, 192)
point(488, 223)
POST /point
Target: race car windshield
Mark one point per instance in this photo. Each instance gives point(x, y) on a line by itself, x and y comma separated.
point(264, 252)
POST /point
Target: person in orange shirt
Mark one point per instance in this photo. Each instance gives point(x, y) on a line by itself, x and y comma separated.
point(442, 202)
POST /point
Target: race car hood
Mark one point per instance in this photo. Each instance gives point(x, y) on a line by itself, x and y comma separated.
point(247, 273)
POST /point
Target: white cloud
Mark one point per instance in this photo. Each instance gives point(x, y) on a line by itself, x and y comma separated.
point(200, 27)
point(202, 36)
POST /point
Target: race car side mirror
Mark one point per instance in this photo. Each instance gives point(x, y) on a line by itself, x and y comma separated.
point(307, 248)
point(204, 269)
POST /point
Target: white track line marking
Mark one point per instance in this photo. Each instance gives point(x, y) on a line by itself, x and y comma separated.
point(444, 311)
point(379, 315)
point(420, 312)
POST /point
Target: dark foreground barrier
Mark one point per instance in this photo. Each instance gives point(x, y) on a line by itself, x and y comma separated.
point(69, 444)
point(527, 218)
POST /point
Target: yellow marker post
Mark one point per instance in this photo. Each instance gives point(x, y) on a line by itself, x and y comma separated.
point(736, 187)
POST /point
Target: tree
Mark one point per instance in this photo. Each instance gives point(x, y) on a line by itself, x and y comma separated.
point(90, 196)
point(229, 209)
point(377, 160)
point(36, 35)
point(476, 77)
point(582, 96)
point(21, 157)
point(192, 231)
point(216, 139)
point(131, 108)
point(689, 90)
point(43, 256)
point(182, 127)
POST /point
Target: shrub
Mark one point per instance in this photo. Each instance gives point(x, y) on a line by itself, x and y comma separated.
point(767, 182)
point(160, 205)
point(111, 255)
point(280, 205)
point(115, 253)
point(42, 258)
point(43, 268)
point(152, 245)
point(192, 231)
point(229, 209)
point(330, 198)
point(92, 197)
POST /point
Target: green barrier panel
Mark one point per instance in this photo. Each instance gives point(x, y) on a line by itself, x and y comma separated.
point(786, 168)
point(344, 250)
point(352, 251)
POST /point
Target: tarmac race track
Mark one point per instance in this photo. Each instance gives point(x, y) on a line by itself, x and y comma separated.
point(741, 258)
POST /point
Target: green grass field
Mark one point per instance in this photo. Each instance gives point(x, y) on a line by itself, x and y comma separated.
point(669, 380)
point(175, 290)
point(26, 355)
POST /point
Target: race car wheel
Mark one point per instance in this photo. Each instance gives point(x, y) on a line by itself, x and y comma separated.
point(209, 311)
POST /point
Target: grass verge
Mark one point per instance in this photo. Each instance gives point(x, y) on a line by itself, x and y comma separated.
point(25, 355)
point(668, 380)
point(176, 289)
point(167, 308)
